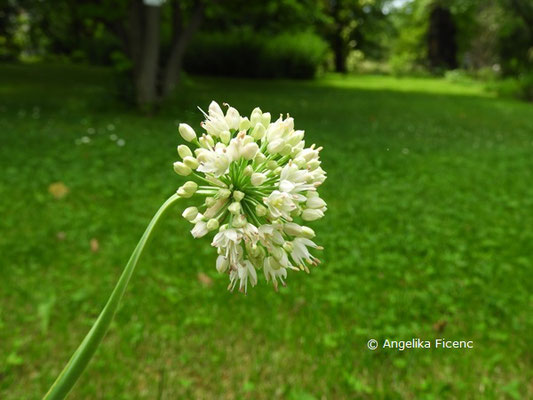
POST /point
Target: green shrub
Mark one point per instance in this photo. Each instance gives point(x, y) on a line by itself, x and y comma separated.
point(457, 76)
point(247, 54)
point(292, 55)
point(519, 87)
point(525, 84)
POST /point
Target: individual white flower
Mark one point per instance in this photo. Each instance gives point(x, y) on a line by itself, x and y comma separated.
point(216, 121)
point(215, 162)
point(280, 204)
point(300, 254)
point(243, 273)
point(200, 229)
point(260, 185)
point(274, 271)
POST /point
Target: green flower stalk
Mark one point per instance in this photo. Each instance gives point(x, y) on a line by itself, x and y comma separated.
point(256, 179)
point(81, 357)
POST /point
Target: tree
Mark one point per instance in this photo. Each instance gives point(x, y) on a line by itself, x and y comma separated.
point(442, 47)
point(348, 25)
point(155, 78)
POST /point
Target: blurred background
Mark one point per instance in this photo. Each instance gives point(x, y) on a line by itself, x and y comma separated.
point(424, 111)
point(149, 44)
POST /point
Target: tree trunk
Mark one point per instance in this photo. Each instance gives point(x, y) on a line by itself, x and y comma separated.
point(148, 58)
point(339, 52)
point(180, 39)
point(442, 46)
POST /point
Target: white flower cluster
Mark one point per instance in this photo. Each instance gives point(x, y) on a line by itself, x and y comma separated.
point(257, 177)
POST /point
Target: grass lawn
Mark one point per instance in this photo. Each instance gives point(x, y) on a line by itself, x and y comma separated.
point(429, 234)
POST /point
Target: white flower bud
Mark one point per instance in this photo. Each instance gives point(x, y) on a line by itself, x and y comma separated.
point(300, 162)
point(190, 213)
point(249, 150)
point(258, 178)
point(289, 124)
point(215, 110)
point(188, 189)
point(275, 146)
point(235, 208)
point(210, 141)
point(315, 202)
point(248, 170)
point(184, 151)
point(191, 162)
point(310, 214)
point(265, 119)
point(309, 154)
point(307, 232)
point(182, 169)
point(295, 138)
point(225, 136)
point(238, 195)
point(258, 132)
point(233, 118)
point(224, 193)
point(286, 150)
point(292, 229)
point(186, 132)
point(271, 164)
point(212, 224)
point(260, 210)
point(255, 118)
point(239, 221)
point(313, 164)
point(183, 193)
point(247, 139)
point(222, 264)
point(259, 158)
point(274, 131)
point(191, 186)
point(209, 201)
point(203, 142)
point(297, 148)
point(244, 125)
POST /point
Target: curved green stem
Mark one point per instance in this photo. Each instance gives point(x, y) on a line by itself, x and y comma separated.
point(81, 357)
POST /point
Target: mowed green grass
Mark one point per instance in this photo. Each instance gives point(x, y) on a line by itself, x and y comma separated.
point(429, 234)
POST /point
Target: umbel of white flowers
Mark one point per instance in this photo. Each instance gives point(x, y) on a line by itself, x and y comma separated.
point(258, 179)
